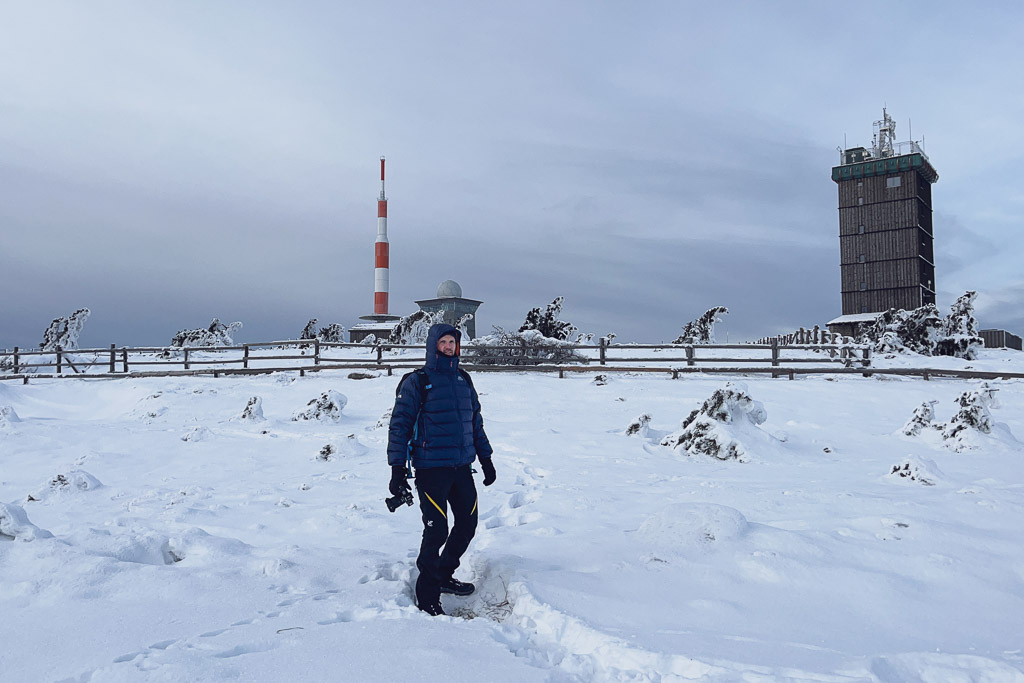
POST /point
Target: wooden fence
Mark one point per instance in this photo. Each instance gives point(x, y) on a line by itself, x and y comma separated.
point(314, 355)
point(815, 335)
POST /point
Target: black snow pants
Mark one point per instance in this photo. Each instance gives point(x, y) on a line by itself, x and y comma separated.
point(441, 488)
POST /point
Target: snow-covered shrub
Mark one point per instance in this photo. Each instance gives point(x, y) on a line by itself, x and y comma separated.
point(385, 420)
point(63, 333)
point(921, 420)
point(327, 406)
point(547, 323)
point(600, 380)
point(973, 420)
point(960, 336)
point(702, 330)
point(6, 362)
point(14, 525)
point(326, 453)
point(528, 347)
point(917, 469)
point(922, 330)
point(973, 415)
point(253, 411)
point(360, 374)
point(713, 428)
point(217, 334)
point(413, 329)
point(8, 417)
point(333, 333)
point(639, 426)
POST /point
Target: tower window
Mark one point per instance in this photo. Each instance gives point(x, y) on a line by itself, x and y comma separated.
point(860, 201)
point(863, 286)
point(862, 258)
point(893, 181)
point(860, 229)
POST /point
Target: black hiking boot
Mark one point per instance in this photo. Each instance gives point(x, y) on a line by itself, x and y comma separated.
point(434, 609)
point(456, 587)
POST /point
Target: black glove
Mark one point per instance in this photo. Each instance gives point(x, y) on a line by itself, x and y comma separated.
point(488, 467)
point(399, 480)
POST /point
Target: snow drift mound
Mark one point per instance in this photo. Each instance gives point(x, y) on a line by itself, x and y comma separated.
point(348, 447)
point(327, 407)
point(8, 417)
point(75, 481)
point(725, 427)
point(253, 410)
point(14, 525)
point(686, 527)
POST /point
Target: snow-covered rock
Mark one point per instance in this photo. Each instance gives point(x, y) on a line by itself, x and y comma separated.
point(327, 407)
point(199, 433)
point(344, 448)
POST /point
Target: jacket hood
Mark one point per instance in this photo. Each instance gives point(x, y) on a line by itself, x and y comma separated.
point(439, 361)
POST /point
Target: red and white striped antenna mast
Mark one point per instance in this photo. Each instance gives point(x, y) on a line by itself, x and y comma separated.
point(380, 249)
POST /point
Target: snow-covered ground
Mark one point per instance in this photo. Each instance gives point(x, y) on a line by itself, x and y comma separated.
point(149, 532)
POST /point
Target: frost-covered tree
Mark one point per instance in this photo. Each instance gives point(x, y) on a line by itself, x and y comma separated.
point(63, 332)
point(413, 329)
point(547, 323)
point(960, 336)
point(327, 406)
point(922, 419)
point(702, 330)
point(309, 331)
point(898, 330)
point(463, 324)
point(923, 330)
point(217, 334)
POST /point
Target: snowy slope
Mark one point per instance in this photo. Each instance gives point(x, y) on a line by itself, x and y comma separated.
point(170, 539)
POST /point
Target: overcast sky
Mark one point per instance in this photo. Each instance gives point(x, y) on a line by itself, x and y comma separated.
point(166, 163)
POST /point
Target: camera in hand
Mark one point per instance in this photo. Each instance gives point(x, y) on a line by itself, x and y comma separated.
point(396, 502)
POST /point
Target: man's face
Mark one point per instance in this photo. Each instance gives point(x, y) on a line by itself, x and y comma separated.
point(446, 345)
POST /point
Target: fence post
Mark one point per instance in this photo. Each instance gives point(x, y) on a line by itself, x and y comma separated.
point(60, 360)
point(186, 358)
point(775, 353)
point(112, 359)
point(380, 354)
point(601, 343)
point(124, 360)
point(16, 367)
point(316, 351)
point(689, 356)
point(867, 356)
point(245, 356)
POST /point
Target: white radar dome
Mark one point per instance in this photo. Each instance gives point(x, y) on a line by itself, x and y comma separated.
point(449, 289)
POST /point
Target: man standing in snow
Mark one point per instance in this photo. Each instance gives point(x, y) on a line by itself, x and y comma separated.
point(436, 423)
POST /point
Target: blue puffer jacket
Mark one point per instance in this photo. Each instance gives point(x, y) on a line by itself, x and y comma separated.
point(448, 431)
